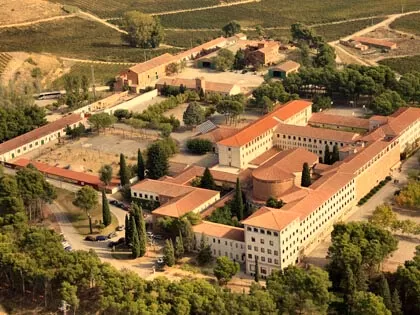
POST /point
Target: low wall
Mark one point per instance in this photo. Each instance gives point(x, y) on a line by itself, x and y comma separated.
point(133, 102)
point(102, 104)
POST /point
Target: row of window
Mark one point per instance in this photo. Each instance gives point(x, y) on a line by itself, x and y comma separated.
point(310, 140)
point(262, 231)
point(230, 243)
point(146, 196)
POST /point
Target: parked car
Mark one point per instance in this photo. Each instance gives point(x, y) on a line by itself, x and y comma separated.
point(121, 240)
point(112, 234)
point(113, 202)
point(101, 238)
point(120, 228)
point(68, 249)
point(125, 207)
point(90, 238)
point(160, 261)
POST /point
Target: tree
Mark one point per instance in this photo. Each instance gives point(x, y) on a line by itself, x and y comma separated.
point(257, 271)
point(127, 230)
point(387, 103)
point(124, 173)
point(187, 233)
point(179, 247)
point(231, 28)
point(383, 216)
point(101, 121)
point(299, 291)
point(384, 292)
point(86, 199)
point(237, 205)
point(321, 102)
point(193, 115)
point(168, 253)
point(106, 213)
point(240, 61)
point(105, 174)
point(225, 269)
point(144, 31)
point(122, 114)
point(199, 146)
point(335, 156)
point(327, 155)
point(367, 303)
point(68, 293)
point(135, 242)
point(140, 166)
point(230, 108)
point(157, 161)
point(225, 60)
point(325, 56)
point(306, 176)
point(274, 203)
point(141, 228)
point(207, 180)
point(204, 255)
point(396, 304)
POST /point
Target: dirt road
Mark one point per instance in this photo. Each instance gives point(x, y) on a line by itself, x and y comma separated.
point(50, 19)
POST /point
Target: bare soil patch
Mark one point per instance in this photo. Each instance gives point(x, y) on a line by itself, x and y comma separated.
point(19, 11)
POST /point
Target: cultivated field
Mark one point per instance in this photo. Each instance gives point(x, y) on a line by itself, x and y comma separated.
point(283, 13)
point(403, 65)
point(112, 8)
point(76, 38)
point(188, 39)
point(409, 24)
point(19, 11)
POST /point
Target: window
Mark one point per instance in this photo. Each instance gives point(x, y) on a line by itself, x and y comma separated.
point(269, 251)
point(252, 239)
point(270, 260)
point(276, 261)
point(141, 195)
point(268, 232)
point(262, 241)
point(276, 253)
point(263, 271)
point(250, 256)
point(255, 230)
point(214, 240)
point(135, 194)
point(249, 229)
point(249, 247)
point(146, 196)
point(263, 259)
point(228, 149)
point(271, 243)
point(262, 231)
point(276, 234)
point(157, 198)
point(218, 241)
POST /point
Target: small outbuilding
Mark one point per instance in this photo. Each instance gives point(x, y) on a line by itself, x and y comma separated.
point(284, 69)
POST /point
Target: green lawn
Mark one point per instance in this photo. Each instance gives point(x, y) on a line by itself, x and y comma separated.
point(78, 217)
point(75, 38)
point(103, 73)
point(112, 8)
point(403, 65)
point(409, 23)
point(284, 13)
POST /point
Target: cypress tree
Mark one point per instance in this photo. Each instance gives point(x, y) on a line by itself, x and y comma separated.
point(257, 271)
point(327, 155)
point(207, 181)
point(335, 157)
point(124, 176)
point(179, 247)
point(141, 229)
point(135, 245)
point(168, 252)
point(306, 176)
point(396, 303)
point(157, 161)
point(140, 165)
point(127, 230)
point(237, 205)
point(106, 213)
point(384, 291)
point(187, 235)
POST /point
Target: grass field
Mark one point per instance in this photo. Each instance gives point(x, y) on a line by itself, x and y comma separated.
point(409, 23)
point(403, 65)
point(112, 8)
point(103, 73)
point(76, 38)
point(284, 13)
point(78, 217)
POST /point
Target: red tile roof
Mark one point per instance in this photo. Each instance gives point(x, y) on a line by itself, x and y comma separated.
point(317, 133)
point(375, 41)
point(266, 123)
point(287, 66)
point(191, 84)
point(218, 42)
point(39, 133)
point(270, 218)
point(220, 231)
point(337, 120)
point(218, 134)
point(152, 63)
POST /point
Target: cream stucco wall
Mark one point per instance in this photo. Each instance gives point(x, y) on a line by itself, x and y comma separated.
point(220, 246)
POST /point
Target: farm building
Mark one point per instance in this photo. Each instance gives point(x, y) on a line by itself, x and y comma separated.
point(199, 84)
point(284, 69)
point(377, 43)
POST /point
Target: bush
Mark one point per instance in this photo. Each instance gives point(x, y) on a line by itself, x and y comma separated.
point(147, 204)
point(199, 146)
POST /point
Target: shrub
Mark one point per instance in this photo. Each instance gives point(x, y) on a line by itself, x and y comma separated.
point(199, 146)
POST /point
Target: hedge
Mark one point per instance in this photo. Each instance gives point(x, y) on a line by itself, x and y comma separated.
point(199, 146)
point(374, 190)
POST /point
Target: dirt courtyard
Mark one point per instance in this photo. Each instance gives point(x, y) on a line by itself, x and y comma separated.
point(89, 154)
point(18, 11)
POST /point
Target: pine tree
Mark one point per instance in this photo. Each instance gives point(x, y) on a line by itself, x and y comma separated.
point(257, 271)
point(140, 165)
point(157, 164)
point(237, 205)
point(335, 157)
point(187, 235)
point(179, 247)
point(168, 253)
point(135, 245)
point(127, 230)
point(306, 175)
point(124, 176)
point(396, 303)
point(207, 181)
point(327, 155)
point(204, 255)
point(141, 229)
point(384, 292)
point(106, 214)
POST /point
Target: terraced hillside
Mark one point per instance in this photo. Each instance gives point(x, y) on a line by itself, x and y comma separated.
point(4, 60)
